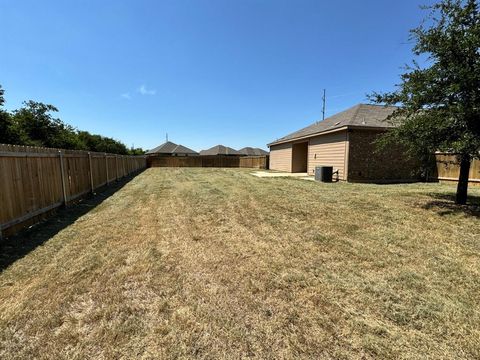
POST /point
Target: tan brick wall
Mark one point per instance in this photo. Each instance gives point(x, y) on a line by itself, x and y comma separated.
point(366, 163)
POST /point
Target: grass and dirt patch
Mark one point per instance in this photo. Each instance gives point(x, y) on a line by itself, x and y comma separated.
point(216, 263)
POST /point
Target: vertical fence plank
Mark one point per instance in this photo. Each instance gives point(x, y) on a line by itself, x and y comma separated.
point(62, 171)
point(91, 172)
point(34, 181)
point(106, 166)
point(448, 169)
point(257, 162)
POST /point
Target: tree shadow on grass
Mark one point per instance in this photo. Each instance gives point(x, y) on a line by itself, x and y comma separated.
point(17, 246)
point(444, 204)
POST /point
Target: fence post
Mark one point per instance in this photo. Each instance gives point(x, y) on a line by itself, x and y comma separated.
point(116, 167)
point(106, 166)
point(62, 170)
point(91, 173)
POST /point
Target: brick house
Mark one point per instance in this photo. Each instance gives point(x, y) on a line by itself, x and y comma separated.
point(346, 142)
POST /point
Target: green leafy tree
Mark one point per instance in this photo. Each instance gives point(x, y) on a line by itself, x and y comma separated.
point(9, 134)
point(136, 151)
point(38, 127)
point(440, 102)
point(6, 136)
point(102, 144)
point(34, 125)
point(2, 93)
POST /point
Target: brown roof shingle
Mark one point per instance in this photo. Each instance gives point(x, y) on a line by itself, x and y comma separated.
point(220, 150)
point(361, 115)
point(249, 151)
point(172, 148)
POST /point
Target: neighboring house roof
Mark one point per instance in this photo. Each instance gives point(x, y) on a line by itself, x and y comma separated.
point(172, 148)
point(252, 151)
point(361, 115)
point(220, 150)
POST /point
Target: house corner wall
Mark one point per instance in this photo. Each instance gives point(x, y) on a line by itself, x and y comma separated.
point(368, 164)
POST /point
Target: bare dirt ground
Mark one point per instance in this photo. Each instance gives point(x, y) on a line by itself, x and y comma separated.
point(217, 263)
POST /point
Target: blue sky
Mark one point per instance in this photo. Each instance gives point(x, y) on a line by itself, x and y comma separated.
point(233, 72)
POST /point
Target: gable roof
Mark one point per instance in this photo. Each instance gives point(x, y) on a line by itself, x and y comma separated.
point(172, 148)
point(252, 151)
point(361, 115)
point(220, 150)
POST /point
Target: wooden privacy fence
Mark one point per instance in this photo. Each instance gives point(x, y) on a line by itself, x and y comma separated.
point(256, 162)
point(448, 169)
point(34, 181)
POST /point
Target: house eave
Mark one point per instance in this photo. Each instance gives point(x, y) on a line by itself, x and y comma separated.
point(325, 132)
point(278, 142)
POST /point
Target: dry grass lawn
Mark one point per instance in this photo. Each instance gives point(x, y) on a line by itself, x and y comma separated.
point(215, 263)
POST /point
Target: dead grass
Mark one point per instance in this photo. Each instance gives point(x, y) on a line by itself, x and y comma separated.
point(212, 263)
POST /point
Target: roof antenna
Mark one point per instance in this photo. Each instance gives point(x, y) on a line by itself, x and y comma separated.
point(323, 110)
point(166, 136)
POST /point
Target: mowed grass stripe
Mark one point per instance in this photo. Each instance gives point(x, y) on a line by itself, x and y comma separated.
point(215, 263)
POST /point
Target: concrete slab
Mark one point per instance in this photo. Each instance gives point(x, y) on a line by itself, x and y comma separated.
point(263, 174)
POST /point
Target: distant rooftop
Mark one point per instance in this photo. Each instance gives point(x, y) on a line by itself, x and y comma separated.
point(220, 150)
point(361, 115)
point(252, 151)
point(171, 148)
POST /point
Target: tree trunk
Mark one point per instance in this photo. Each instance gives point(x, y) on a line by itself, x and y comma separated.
point(462, 187)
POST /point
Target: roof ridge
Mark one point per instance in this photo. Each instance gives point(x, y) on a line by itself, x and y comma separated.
point(381, 105)
point(357, 110)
